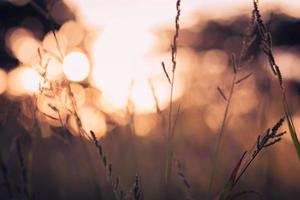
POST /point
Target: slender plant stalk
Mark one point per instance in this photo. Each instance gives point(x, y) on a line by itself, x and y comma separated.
point(137, 192)
point(118, 192)
point(170, 136)
point(221, 133)
point(25, 185)
point(269, 138)
point(40, 10)
point(6, 183)
point(183, 179)
point(247, 41)
point(267, 48)
point(115, 182)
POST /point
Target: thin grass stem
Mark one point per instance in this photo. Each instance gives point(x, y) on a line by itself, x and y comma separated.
point(220, 135)
point(170, 136)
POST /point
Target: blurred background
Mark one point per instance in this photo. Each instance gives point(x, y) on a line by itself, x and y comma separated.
point(110, 52)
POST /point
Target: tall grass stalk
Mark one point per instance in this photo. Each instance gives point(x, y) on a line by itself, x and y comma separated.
point(171, 124)
point(115, 182)
point(269, 138)
point(6, 182)
point(243, 60)
point(267, 48)
point(222, 129)
point(26, 186)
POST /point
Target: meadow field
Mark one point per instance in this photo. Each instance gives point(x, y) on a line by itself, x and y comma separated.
point(167, 100)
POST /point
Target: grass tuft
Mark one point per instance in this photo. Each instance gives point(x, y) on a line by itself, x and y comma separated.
point(266, 46)
point(269, 138)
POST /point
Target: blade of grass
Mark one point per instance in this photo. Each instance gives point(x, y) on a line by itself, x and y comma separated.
point(230, 183)
point(6, 182)
point(291, 126)
point(170, 136)
point(269, 138)
point(247, 41)
point(221, 133)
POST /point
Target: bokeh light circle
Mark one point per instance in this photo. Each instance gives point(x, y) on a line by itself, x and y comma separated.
point(76, 66)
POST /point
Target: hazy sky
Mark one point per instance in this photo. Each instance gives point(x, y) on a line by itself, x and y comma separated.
point(163, 11)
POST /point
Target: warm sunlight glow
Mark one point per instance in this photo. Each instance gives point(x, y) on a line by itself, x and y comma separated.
point(78, 94)
point(119, 60)
point(54, 69)
point(144, 124)
point(47, 107)
point(142, 97)
point(104, 98)
point(76, 66)
point(113, 104)
point(91, 119)
point(30, 80)
point(55, 44)
point(3, 81)
point(215, 61)
point(73, 33)
point(23, 80)
point(150, 13)
point(92, 97)
point(288, 60)
point(23, 45)
point(145, 94)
